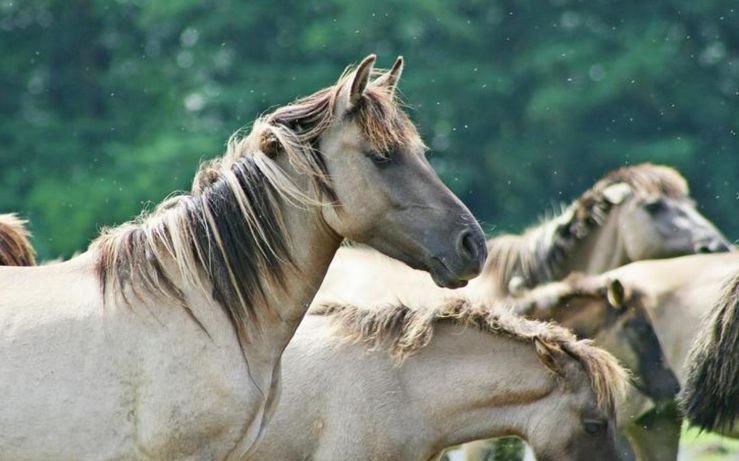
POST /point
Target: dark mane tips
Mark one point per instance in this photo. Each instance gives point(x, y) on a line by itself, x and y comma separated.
point(710, 397)
point(403, 331)
point(15, 244)
point(228, 240)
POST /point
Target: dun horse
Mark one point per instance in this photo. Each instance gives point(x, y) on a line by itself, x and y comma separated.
point(403, 384)
point(711, 394)
point(15, 246)
point(163, 340)
point(616, 319)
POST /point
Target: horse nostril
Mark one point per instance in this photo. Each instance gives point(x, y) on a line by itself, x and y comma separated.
point(718, 246)
point(714, 246)
point(466, 246)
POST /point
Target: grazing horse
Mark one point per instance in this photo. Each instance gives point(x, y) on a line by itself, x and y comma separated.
point(616, 320)
point(163, 340)
point(602, 310)
point(710, 399)
point(15, 246)
point(402, 384)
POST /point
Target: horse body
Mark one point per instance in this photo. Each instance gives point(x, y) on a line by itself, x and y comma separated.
point(354, 400)
point(87, 381)
point(678, 293)
point(163, 340)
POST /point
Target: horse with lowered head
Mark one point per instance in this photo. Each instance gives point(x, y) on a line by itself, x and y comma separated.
point(616, 320)
point(402, 384)
point(15, 246)
point(163, 340)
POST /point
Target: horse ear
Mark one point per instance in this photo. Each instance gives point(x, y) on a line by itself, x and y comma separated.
point(390, 78)
point(616, 193)
point(550, 355)
point(616, 294)
point(360, 79)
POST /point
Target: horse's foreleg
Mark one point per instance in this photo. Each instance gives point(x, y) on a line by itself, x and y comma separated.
point(655, 436)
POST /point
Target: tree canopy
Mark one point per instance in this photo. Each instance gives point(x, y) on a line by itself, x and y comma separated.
point(107, 106)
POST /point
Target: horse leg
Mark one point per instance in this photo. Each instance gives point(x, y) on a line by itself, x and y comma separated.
point(655, 436)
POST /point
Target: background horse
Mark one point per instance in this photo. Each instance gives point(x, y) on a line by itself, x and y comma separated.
point(15, 246)
point(163, 340)
point(402, 384)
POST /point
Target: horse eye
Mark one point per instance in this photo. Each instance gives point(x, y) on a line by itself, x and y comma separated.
point(655, 206)
point(377, 158)
point(594, 427)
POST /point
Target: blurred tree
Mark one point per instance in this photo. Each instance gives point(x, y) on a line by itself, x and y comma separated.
point(108, 106)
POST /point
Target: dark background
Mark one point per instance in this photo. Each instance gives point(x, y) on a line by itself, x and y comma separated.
point(107, 106)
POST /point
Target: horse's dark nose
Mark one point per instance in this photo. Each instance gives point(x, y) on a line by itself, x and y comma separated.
point(471, 250)
point(712, 246)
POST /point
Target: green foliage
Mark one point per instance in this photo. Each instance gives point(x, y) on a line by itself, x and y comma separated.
point(107, 106)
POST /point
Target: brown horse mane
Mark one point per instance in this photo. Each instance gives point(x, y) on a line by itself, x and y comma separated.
point(228, 237)
point(403, 331)
point(710, 397)
point(537, 255)
point(15, 244)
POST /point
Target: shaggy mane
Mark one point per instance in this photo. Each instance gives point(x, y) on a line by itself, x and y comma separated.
point(710, 397)
point(15, 246)
point(404, 331)
point(538, 254)
point(228, 237)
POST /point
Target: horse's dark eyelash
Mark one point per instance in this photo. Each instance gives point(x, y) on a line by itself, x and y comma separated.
point(377, 157)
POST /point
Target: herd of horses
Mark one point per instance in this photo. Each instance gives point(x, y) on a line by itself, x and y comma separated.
point(231, 323)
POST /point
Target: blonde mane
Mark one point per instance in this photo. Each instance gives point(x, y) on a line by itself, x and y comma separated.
point(404, 331)
point(15, 246)
point(228, 237)
point(539, 253)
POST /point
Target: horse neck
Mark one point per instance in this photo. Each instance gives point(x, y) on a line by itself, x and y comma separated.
point(312, 246)
point(601, 250)
point(490, 387)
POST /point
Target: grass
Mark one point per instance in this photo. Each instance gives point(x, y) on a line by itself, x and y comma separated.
point(703, 446)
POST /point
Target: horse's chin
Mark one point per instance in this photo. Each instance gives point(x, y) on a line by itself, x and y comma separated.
point(443, 277)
